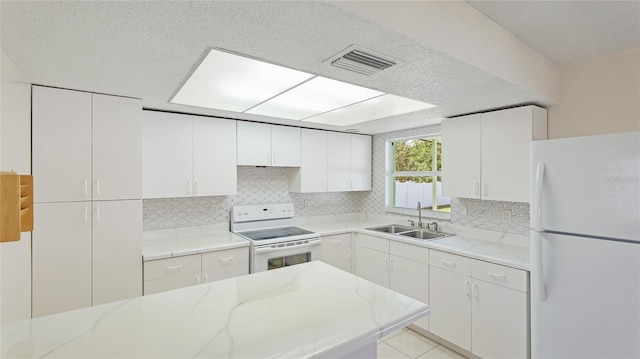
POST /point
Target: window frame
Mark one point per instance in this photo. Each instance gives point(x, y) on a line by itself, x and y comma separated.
point(390, 175)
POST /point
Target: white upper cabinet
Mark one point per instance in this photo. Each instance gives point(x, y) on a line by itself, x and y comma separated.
point(117, 148)
point(262, 144)
point(167, 155)
point(61, 138)
point(349, 162)
point(85, 146)
point(214, 157)
point(185, 156)
point(486, 156)
point(312, 174)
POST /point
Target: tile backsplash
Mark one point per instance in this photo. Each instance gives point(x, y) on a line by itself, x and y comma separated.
point(255, 185)
point(270, 185)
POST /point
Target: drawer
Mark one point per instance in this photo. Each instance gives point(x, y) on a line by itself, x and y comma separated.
point(175, 282)
point(450, 262)
point(225, 258)
point(497, 274)
point(416, 253)
point(170, 267)
point(337, 240)
point(379, 244)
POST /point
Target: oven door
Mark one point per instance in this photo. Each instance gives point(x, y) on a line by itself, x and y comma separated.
point(284, 254)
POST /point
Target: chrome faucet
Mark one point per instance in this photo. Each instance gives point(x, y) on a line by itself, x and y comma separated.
point(419, 215)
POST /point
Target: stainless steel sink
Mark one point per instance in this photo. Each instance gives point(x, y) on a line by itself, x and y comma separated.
point(393, 229)
point(424, 235)
point(420, 234)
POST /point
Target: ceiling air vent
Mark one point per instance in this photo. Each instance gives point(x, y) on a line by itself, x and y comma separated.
point(361, 60)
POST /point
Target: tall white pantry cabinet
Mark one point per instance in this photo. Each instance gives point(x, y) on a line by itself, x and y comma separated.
point(87, 154)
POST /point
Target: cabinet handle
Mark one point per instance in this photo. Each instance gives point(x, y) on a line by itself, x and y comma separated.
point(391, 261)
point(336, 242)
point(474, 290)
point(206, 278)
point(497, 276)
point(485, 189)
point(97, 187)
point(477, 188)
point(198, 279)
point(85, 187)
point(386, 262)
point(179, 266)
point(449, 263)
point(188, 187)
point(226, 260)
point(97, 214)
point(197, 187)
point(85, 215)
point(466, 287)
point(349, 253)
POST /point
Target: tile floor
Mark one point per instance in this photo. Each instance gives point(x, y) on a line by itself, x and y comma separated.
point(406, 343)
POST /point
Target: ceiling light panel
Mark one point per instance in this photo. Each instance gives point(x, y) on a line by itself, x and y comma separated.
point(235, 83)
point(313, 97)
point(376, 108)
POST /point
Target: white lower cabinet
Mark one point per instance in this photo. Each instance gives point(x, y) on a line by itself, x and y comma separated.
point(184, 271)
point(85, 253)
point(398, 266)
point(479, 306)
point(336, 250)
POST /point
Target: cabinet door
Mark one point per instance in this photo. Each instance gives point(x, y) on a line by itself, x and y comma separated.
point(338, 161)
point(336, 250)
point(360, 163)
point(225, 264)
point(450, 302)
point(499, 321)
point(117, 250)
point(461, 156)
point(61, 257)
point(312, 174)
point(410, 278)
point(164, 284)
point(167, 155)
point(61, 141)
point(254, 144)
point(214, 157)
point(117, 148)
point(373, 266)
point(506, 136)
point(285, 146)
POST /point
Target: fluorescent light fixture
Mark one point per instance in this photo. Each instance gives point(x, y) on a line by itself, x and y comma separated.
point(376, 108)
point(230, 82)
point(235, 83)
point(313, 97)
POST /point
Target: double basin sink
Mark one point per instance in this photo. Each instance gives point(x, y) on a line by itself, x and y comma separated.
point(404, 231)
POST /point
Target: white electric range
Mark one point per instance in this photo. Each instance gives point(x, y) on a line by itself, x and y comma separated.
point(275, 241)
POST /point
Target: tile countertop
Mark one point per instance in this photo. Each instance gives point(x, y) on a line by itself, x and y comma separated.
point(501, 248)
point(172, 242)
point(307, 310)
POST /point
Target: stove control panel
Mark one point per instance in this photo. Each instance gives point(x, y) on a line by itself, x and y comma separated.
point(261, 212)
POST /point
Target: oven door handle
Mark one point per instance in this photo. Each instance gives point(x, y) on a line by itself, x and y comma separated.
point(268, 249)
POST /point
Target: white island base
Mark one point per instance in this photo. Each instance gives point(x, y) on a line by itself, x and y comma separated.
point(311, 310)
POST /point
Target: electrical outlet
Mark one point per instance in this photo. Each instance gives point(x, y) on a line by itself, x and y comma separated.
point(465, 211)
point(506, 215)
point(214, 210)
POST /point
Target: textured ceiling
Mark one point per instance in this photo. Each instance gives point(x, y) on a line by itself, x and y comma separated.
point(568, 31)
point(147, 49)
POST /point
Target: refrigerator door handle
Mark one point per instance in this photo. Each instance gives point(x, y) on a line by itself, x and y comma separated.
point(537, 233)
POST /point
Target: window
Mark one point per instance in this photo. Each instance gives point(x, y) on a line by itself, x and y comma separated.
point(414, 175)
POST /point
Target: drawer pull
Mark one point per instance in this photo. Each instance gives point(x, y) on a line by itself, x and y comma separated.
point(466, 287)
point(174, 267)
point(449, 263)
point(497, 276)
point(336, 241)
point(474, 290)
point(226, 260)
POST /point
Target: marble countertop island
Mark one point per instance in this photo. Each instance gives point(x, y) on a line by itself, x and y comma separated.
point(303, 311)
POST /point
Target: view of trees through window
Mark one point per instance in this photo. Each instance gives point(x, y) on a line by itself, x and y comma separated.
point(416, 175)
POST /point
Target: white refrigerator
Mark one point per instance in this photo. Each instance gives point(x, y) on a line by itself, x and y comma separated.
point(585, 247)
